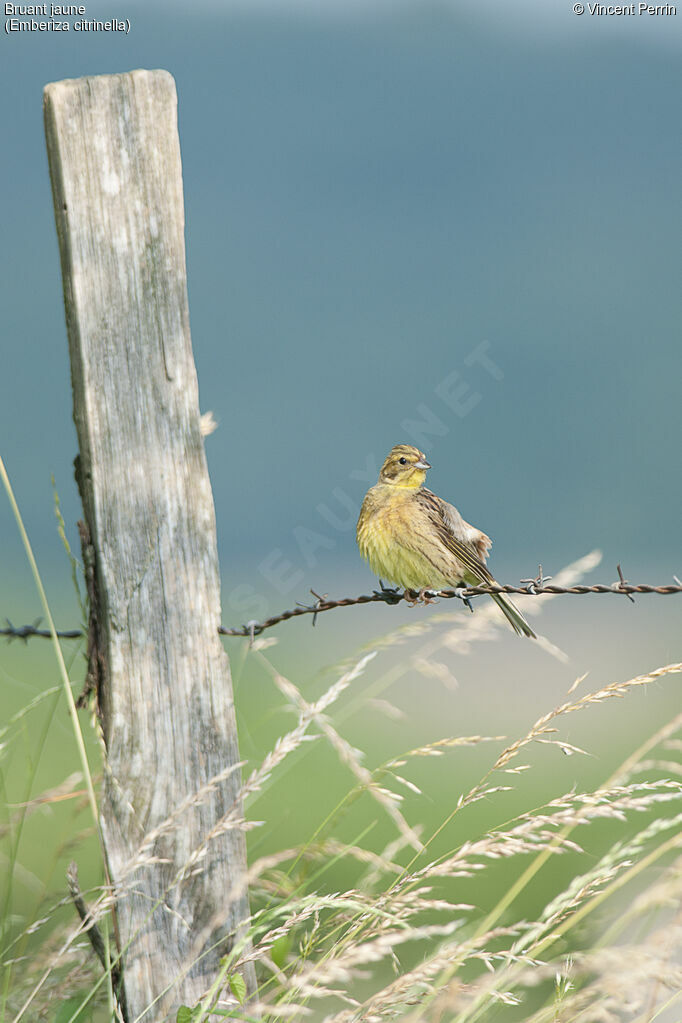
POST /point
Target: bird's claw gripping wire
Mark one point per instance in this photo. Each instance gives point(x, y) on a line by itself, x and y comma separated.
point(388, 593)
point(423, 596)
point(460, 592)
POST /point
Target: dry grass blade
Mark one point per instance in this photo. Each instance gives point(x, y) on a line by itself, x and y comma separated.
point(608, 692)
point(346, 753)
point(450, 959)
point(143, 854)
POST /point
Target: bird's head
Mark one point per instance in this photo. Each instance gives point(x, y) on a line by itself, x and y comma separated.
point(405, 466)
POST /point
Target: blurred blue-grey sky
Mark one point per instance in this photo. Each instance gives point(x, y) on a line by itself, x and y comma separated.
point(464, 216)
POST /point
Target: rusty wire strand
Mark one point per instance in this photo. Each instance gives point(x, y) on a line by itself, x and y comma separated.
point(536, 587)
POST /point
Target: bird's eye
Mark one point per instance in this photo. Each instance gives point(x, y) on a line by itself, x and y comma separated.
point(403, 461)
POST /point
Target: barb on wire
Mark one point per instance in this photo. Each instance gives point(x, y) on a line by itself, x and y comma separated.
point(536, 587)
point(623, 584)
point(311, 609)
point(27, 632)
point(540, 580)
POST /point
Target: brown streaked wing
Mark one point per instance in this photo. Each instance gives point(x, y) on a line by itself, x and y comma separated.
point(464, 551)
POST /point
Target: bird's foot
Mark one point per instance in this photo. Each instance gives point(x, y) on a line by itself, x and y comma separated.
point(423, 596)
point(459, 592)
point(390, 594)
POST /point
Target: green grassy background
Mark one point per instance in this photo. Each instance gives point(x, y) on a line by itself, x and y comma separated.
point(371, 192)
point(497, 688)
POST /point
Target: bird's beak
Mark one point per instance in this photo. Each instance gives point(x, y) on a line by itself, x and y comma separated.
point(422, 464)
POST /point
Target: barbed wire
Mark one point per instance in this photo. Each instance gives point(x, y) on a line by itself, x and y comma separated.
point(536, 587)
point(27, 632)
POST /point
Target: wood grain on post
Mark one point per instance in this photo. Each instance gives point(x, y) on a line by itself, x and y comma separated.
point(166, 696)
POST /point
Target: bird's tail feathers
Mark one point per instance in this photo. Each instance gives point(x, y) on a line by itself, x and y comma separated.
point(513, 615)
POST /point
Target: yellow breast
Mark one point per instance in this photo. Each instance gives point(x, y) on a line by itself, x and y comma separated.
point(391, 538)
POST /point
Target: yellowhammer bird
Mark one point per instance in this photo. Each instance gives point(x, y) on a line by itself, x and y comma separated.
point(415, 540)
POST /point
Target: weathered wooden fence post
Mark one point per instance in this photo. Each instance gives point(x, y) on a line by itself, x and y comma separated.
point(165, 689)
